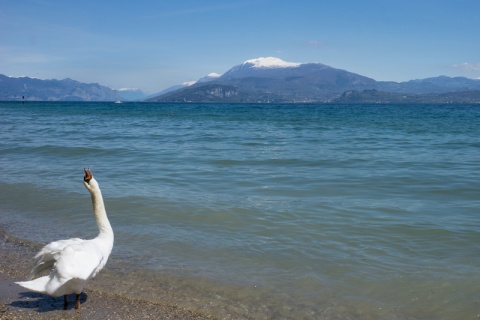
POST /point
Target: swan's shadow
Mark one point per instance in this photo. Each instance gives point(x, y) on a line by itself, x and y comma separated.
point(43, 303)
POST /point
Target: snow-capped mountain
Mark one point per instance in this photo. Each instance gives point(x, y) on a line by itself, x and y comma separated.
point(269, 62)
point(209, 77)
point(259, 65)
point(273, 79)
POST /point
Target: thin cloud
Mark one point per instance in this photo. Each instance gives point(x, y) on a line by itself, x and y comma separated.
point(468, 66)
point(195, 10)
point(15, 55)
point(27, 58)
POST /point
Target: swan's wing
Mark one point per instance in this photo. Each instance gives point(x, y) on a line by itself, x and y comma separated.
point(45, 259)
point(78, 261)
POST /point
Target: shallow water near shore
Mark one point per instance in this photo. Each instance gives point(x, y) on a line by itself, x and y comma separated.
point(260, 211)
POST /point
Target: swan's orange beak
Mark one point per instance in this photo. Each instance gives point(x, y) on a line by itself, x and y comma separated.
point(88, 175)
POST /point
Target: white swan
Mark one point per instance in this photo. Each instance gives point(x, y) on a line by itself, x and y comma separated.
point(74, 261)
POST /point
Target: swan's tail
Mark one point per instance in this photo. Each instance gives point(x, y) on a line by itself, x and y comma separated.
point(36, 285)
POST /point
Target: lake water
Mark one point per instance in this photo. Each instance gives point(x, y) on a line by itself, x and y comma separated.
point(260, 211)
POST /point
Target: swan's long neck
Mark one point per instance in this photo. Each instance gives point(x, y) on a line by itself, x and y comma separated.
point(104, 227)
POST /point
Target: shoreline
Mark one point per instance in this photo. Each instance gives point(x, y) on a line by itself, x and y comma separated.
point(18, 303)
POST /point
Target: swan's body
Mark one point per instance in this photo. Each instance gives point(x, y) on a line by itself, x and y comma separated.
point(74, 261)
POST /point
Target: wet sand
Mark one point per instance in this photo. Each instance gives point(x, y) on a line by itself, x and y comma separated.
point(17, 303)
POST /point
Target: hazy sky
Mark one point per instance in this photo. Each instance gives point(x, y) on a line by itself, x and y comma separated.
point(152, 45)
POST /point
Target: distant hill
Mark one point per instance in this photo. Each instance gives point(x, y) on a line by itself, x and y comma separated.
point(214, 92)
point(274, 80)
point(208, 78)
point(441, 84)
point(374, 96)
point(167, 90)
point(131, 94)
point(13, 89)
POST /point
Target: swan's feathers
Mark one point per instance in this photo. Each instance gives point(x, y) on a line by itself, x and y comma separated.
point(44, 260)
point(72, 258)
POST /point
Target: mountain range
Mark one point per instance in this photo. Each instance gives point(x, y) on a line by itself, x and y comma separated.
point(263, 80)
point(32, 89)
point(274, 80)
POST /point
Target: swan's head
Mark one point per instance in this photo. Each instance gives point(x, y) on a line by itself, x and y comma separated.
point(88, 180)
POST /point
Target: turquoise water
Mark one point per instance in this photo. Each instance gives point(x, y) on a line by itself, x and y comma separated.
point(260, 211)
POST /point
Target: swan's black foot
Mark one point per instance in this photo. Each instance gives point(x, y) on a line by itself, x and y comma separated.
point(77, 302)
point(65, 302)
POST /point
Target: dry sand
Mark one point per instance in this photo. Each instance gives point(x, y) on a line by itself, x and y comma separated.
point(17, 303)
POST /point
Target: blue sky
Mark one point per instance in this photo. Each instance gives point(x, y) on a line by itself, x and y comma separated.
point(152, 45)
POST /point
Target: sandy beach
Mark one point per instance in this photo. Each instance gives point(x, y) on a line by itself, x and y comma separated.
point(17, 303)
